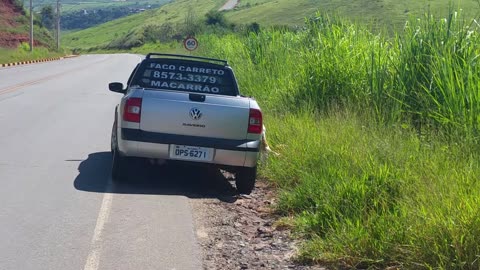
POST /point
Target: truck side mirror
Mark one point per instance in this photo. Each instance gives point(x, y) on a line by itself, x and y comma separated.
point(116, 87)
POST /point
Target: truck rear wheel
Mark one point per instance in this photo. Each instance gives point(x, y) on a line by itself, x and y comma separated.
point(119, 164)
point(119, 167)
point(245, 180)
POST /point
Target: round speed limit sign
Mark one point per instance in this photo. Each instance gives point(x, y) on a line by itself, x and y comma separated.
point(190, 43)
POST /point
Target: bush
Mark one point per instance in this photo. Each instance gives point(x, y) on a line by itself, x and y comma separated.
point(253, 27)
point(215, 17)
point(24, 47)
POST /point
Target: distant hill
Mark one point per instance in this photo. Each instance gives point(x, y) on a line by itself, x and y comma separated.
point(15, 27)
point(77, 15)
point(385, 14)
point(85, 18)
point(68, 6)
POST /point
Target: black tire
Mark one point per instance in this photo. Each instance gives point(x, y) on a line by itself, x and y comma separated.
point(119, 163)
point(113, 138)
point(119, 168)
point(245, 180)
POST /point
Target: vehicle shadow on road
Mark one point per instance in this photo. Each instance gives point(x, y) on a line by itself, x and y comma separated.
point(171, 179)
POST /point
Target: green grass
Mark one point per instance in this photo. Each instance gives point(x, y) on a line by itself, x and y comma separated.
point(377, 137)
point(390, 14)
point(365, 195)
point(22, 53)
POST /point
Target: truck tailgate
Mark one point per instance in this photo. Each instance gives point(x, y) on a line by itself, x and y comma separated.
point(217, 116)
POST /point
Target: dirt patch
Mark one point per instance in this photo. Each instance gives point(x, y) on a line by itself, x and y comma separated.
point(9, 15)
point(229, 5)
point(8, 12)
point(11, 40)
point(240, 234)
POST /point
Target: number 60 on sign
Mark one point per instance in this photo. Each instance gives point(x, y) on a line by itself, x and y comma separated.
point(190, 43)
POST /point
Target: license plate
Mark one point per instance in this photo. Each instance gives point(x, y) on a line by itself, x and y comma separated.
point(193, 153)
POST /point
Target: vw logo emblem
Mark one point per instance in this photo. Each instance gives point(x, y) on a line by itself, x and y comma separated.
point(195, 114)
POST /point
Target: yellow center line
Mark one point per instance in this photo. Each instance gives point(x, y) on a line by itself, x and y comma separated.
point(13, 88)
point(21, 85)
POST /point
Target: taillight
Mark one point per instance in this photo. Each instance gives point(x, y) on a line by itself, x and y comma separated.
point(133, 109)
point(255, 122)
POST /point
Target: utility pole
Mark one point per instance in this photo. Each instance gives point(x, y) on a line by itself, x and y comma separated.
point(58, 25)
point(31, 26)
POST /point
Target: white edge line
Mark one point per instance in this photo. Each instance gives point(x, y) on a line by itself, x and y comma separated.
point(93, 259)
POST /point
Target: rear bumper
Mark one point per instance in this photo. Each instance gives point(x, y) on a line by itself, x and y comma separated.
point(138, 143)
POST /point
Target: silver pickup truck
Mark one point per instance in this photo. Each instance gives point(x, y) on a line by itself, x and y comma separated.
point(186, 108)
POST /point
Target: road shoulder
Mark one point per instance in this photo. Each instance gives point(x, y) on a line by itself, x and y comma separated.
point(242, 235)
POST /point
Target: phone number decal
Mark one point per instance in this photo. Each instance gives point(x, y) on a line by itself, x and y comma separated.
point(184, 77)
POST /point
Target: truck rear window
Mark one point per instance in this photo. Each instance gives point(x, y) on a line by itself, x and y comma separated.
point(186, 76)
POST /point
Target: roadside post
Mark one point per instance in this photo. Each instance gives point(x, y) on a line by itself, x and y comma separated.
point(190, 43)
point(31, 26)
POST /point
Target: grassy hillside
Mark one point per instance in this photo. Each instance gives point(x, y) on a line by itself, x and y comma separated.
point(171, 13)
point(382, 13)
point(15, 35)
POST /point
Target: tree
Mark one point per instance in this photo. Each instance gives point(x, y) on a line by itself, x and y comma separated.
point(18, 5)
point(253, 27)
point(48, 17)
point(214, 17)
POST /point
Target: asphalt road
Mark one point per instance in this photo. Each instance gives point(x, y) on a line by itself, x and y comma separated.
point(59, 208)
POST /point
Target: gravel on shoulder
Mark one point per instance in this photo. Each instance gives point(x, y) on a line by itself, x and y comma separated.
point(239, 233)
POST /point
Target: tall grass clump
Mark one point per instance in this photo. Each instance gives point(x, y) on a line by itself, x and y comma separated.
point(377, 137)
point(372, 196)
point(437, 74)
point(266, 59)
point(327, 64)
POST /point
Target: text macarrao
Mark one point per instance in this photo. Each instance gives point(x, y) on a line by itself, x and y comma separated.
point(185, 86)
